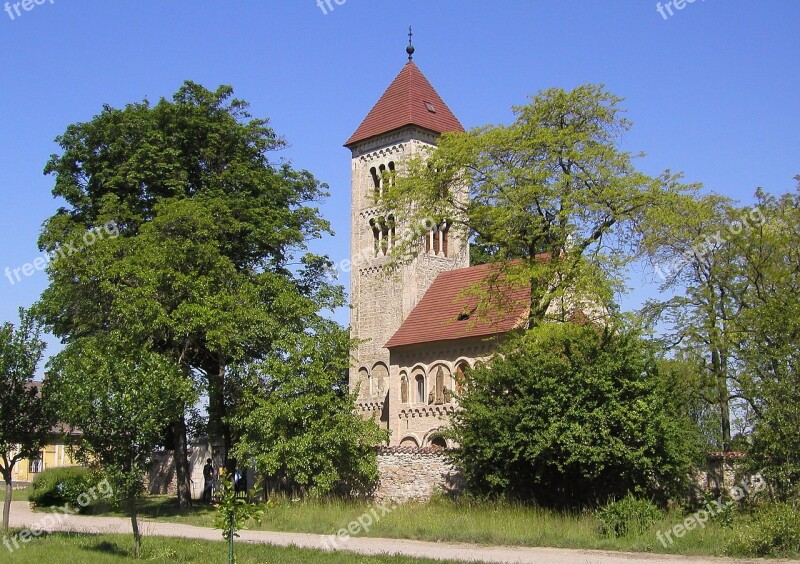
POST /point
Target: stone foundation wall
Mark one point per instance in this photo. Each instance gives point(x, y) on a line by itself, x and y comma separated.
point(415, 474)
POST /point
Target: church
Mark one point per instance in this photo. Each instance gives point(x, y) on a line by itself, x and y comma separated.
point(414, 338)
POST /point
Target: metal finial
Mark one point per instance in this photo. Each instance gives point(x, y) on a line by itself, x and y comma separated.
point(410, 48)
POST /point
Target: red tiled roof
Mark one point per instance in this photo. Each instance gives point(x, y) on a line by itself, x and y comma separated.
point(435, 317)
point(406, 102)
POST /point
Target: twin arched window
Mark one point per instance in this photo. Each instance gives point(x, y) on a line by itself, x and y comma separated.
point(384, 235)
point(379, 175)
point(436, 241)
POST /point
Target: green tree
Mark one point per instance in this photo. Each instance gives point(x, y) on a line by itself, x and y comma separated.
point(121, 399)
point(300, 423)
point(553, 182)
point(767, 331)
point(26, 421)
point(210, 264)
point(690, 245)
point(570, 415)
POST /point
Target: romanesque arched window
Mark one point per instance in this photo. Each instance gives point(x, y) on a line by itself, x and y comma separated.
point(384, 234)
point(363, 383)
point(376, 182)
point(380, 380)
point(420, 383)
point(436, 241)
point(460, 377)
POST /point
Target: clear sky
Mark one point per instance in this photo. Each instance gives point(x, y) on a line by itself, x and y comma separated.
point(712, 89)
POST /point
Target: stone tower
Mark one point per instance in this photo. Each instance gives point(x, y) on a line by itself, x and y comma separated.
point(407, 119)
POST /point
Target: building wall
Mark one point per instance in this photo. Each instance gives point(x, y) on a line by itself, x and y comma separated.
point(410, 474)
point(383, 296)
point(416, 421)
point(54, 455)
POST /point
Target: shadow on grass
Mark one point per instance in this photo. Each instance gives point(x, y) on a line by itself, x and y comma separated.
point(107, 547)
point(155, 507)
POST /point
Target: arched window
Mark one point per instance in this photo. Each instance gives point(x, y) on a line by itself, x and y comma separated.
point(384, 233)
point(392, 173)
point(420, 380)
point(381, 178)
point(363, 383)
point(439, 441)
point(409, 442)
point(376, 182)
point(404, 388)
point(436, 242)
point(461, 377)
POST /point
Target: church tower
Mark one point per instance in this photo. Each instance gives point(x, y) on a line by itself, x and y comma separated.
point(407, 119)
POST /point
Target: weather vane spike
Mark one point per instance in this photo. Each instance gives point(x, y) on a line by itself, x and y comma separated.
point(410, 48)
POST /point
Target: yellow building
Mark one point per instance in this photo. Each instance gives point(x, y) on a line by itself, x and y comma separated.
point(54, 454)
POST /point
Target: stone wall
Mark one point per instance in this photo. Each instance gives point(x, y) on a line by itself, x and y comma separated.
point(415, 474)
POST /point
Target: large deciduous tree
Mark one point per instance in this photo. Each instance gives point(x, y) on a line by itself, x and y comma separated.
point(210, 264)
point(553, 182)
point(26, 421)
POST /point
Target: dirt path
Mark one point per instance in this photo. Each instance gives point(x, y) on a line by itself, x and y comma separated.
point(23, 517)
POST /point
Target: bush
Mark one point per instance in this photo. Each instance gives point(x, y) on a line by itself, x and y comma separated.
point(626, 516)
point(60, 486)
point(774, 531)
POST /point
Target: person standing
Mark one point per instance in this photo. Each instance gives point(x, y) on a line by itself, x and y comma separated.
point(208, 481)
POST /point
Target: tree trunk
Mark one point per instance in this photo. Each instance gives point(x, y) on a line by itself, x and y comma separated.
point(182, 472)
point(218, 433)
point(718, 365)
point(137, 536)
point(7, 501)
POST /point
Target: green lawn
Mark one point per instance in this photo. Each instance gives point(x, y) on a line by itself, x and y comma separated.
point(20, 495)
point(444, 520)
point(101, 549)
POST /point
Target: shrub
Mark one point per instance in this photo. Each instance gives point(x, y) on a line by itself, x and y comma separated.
point(60, 486)
point(627, 515)
point(774, 531)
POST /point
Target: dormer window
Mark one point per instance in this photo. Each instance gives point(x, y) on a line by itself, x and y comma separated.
point(430, 107)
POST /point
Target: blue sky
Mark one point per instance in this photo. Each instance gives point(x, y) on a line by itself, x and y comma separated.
point(712, 90)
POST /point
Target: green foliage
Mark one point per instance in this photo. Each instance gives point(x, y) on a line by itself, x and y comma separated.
point(60, 486)
point(210, 266)
point(774, 532)
point(573, 415)
point(233, 511)
point(769, 329)
point(121, 400)
point(26, 418)
point(627, 516)
point(299, 423)
point(554, 181)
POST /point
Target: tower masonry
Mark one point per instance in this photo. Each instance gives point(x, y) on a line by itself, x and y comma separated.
point(406, 121)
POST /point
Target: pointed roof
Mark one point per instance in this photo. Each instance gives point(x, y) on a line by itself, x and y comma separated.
point(409, 100)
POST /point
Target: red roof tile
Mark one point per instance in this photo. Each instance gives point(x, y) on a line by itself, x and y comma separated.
point(435, 317)
point(407, 101)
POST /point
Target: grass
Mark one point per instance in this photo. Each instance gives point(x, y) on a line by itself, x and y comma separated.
point(20, 494)
point(473, 522)
point(102, 549)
